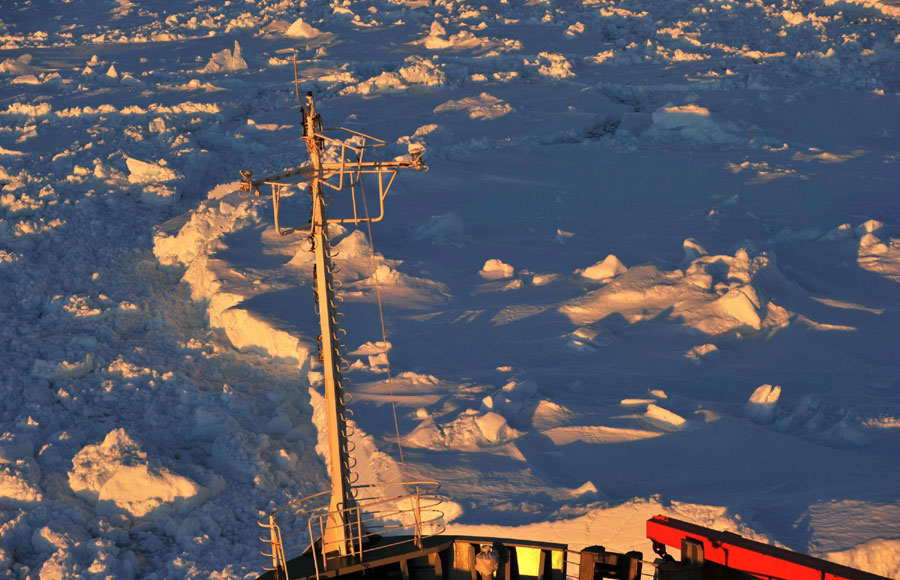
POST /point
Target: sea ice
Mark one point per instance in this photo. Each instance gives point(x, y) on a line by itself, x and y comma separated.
point(146, 172)
point(301, 29)
point(698, 353)
point(551, 65)
point(20, 483)
point(226, 61)
point(492, 426)
point(18, 66)
point(495, 269)
point(202, 356)
point(608, 267)
point(664, 418)
point(116, 471)
point(762, 405)
point(484, 107)
point(690, 121)
point(692, 250)
point(714, 294)
point(446, 228)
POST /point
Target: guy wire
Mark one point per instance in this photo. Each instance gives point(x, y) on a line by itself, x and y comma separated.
point(362, 191)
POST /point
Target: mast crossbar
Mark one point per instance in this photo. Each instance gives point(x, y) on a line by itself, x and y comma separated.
point(279, 183)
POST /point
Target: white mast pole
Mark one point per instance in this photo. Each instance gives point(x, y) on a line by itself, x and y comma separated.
point(339, 531)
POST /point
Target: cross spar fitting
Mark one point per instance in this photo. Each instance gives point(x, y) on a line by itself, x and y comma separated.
point(343, 529)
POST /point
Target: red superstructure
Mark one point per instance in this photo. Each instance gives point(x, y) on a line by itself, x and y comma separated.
point(704, 548)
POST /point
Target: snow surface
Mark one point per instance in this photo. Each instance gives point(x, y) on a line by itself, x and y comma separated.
point(160, 387)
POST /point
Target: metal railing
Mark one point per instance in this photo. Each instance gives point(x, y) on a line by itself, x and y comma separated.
point(349, 171)
point(572, 564)
point(382, 510)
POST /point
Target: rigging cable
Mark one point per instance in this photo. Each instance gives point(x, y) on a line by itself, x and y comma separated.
point(390, 382)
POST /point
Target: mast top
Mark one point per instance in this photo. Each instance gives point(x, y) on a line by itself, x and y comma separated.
point(345, 173)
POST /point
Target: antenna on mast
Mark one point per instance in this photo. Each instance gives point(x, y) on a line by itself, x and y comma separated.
point(344, 528)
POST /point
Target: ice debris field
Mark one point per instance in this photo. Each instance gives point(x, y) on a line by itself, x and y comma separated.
point(654, 268)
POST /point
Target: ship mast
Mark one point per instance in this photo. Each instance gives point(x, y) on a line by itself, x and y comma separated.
point(343, 530)
point(338, 532)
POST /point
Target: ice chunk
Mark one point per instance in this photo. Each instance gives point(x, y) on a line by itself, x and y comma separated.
point(552, 65)
point(158, 125)
point(689, 121)
point(421, 71)
point(575, 30)
point(58, 371)
point(15, 447)
point(26, 80)
point(741, 305)
point(670, 116)
point(470, 430)
point(793, 18)
point(516, 399)
point(57, 535)
point(692, 250)
point(492, 426)
point(586, 488)
point(427, 135)
point(495, 269)
point(436, 37)
point(543, 279)
point(17, 66)
point(130, 80)
point(563, 235)
point(664, 418)
point(159, 194)
point(116, 471)
point(761, 406)
point(597, 434)
point(384, 82)
point(636, 402)
point(19, 483)
point(145, 172)
point(842, 232)
point(300, 29)
point(226, 61)
point(484, 107)
point(589, 339)
point(698, 352)
point(868, 227)
point(608, 267)
point(372, 348)
point(872, 244)
point(877, 556)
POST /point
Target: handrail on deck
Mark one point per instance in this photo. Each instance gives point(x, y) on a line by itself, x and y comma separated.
point(373, 515)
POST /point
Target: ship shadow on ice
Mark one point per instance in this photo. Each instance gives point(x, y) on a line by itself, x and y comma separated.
point(258, 247)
